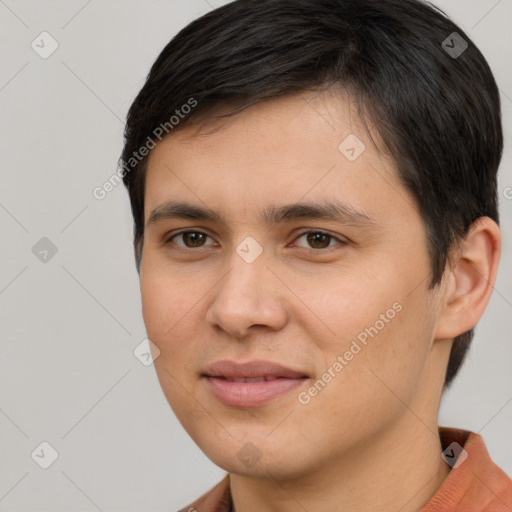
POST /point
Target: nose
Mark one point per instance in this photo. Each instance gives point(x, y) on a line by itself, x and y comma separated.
point(247, 297)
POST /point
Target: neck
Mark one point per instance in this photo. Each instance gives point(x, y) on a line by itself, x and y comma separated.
point(401, 470)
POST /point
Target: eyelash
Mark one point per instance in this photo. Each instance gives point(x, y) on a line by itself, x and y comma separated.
point(332, 237)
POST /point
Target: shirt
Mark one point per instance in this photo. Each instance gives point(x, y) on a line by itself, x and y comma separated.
point(475, 484)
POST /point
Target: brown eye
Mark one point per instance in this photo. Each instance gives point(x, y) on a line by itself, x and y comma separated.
point(319, 240)
point(190, 239)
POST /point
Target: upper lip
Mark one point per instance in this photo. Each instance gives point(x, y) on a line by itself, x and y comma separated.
point(250, 369)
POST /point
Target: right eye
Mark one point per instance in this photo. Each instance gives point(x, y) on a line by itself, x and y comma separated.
point(190, 239)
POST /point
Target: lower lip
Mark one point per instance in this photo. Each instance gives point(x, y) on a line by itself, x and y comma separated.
point(250, 394)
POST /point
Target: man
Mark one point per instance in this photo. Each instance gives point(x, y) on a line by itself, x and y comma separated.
point(313, 185)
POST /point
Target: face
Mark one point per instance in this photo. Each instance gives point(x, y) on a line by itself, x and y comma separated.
point(333, 310)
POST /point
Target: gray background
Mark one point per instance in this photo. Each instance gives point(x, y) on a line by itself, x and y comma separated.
point(70, 325)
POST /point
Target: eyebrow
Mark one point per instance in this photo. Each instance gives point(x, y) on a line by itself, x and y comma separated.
point(272, 214)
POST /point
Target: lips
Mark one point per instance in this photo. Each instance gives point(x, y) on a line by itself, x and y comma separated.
point(263, 370)
point(251, 384)
point(265, 378)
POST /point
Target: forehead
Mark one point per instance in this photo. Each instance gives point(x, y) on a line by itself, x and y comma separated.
point(305, 146)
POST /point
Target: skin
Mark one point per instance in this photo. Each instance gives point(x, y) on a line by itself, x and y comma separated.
point(368, 440)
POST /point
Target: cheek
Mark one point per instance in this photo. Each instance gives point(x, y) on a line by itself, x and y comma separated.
point(167, 309)
point(359, 397)
point(352, 304)
point(157, 307)
point(381, 330)
point(165, 300)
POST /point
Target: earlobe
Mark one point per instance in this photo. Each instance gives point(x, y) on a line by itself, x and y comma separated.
point(470, 279)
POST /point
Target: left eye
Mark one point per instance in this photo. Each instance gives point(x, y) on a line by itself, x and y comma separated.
point(319, 239)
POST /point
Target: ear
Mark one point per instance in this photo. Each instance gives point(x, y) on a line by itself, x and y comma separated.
point(470, 277)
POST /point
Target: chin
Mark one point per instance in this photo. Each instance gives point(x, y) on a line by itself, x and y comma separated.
point(258, 459)
point(263, 468)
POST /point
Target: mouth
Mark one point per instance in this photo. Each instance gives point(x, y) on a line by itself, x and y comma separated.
point(265, 378)
point(251, 384)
